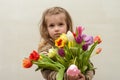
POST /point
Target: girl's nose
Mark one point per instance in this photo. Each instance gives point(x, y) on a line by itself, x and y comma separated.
point(56, 28)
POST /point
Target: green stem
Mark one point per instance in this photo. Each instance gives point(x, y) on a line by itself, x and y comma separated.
point(91, 50)
point(75, 60)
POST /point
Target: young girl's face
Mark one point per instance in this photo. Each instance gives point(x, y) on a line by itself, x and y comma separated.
point(56, 25)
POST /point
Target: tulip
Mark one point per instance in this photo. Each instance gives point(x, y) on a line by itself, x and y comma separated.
point(52, 52)
point(70, 44)
point(79, 30)
point(79, 39)
point(98, 39)
point(98, 50)
point(88, 39)
point(61, 52)
point(73, 71)
point(70, 36)
point(27, 63)
point(64, 37)
point(74, 34)
point(85, 47)
point(34, 56)
point(59, 43)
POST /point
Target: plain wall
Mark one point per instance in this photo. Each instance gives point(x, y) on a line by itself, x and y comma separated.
point(19, 34)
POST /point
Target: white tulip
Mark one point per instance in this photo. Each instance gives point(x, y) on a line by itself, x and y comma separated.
point(70, 36)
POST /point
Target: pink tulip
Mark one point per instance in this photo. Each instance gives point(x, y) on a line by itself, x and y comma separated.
point(73, 70)
point(79, 29)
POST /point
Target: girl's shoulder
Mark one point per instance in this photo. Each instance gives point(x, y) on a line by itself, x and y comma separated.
point(44, 46)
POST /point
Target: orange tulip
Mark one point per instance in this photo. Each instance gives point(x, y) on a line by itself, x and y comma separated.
point(27, 63)
point(98, 39)
point(98, 50)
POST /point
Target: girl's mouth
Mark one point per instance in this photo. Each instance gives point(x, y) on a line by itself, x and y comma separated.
point(57, 35)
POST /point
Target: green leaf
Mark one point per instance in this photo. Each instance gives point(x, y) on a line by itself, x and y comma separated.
point(37, 68)
point(60, 74)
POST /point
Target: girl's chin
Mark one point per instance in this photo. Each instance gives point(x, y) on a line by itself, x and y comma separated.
point(56, 38)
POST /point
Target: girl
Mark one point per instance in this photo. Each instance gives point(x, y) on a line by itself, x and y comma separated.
point(56, 21)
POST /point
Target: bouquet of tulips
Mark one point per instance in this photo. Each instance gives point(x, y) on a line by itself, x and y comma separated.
point(71, 53)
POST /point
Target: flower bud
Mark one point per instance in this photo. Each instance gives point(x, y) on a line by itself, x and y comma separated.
point(85, 47)
point(98, 50)
point(73, 70)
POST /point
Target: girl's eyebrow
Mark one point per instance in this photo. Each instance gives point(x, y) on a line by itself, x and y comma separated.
point(51, 24)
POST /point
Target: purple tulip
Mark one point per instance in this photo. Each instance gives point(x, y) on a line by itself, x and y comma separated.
point(61, 52)
point(83, 36)
point(78, 39)
point(88, 39)
point(85, 47)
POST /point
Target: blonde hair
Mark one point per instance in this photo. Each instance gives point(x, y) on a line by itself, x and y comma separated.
point(43, 26)
point(53, 11)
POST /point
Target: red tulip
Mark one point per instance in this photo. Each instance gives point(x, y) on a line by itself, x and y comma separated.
point(34, 56)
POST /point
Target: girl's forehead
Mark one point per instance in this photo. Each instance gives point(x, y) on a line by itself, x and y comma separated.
point(60, 15)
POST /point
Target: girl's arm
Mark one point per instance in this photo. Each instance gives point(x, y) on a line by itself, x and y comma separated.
point(51, 75)
point(89, 75)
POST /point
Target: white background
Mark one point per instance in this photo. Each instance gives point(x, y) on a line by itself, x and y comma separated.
point(19, 34)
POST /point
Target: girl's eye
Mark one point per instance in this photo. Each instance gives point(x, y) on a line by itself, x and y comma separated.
point(51, 25)
point(60, 24)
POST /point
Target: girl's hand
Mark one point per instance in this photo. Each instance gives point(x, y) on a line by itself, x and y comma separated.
point(79, 77)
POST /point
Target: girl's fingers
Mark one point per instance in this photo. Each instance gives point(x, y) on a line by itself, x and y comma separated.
point(81, 77)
